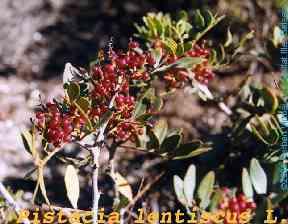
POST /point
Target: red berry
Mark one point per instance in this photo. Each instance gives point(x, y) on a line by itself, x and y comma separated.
point(242, 205)
point(133, 44)
point(121, 62)
point(40, 115)
point(109, 68)
point(242, 197)
point(97, 72)
point(226, 190)
point(67, 138)
point(150, 60)
point(234, 207)
point(54, 123)
point(125, 87)
point(222, 206)
point(252, 205)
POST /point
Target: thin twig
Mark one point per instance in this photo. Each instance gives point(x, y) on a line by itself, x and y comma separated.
point(143, 191)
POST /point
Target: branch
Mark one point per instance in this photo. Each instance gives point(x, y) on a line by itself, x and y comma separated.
point(96, 153)
point(143, 191)
point(9, 200)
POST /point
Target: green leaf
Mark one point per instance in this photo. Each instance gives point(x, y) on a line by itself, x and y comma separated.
point(157, 103)
point(198, 20)
point(216, 200)
point(183, 27)
point(141, 105)
point(123, 186)
point(142, 139)
point(157, 55)
point(29, 142)
point(246, 184)
point(29, 174)
point(84, 104)
point(183, 15)
point(42, 185)
point(179, 189)
point(190, 184)
point(73, 91)
point(205, 189)
point(209, 18)
point(280, 197)
point(270, 100)
point(160, 130)
point(284, 84)
point(266, 128)
point(105, 118)
point(188, 62)
point(258, 177)
point(170, 45)
point(172, 141)
point(229, 40)
point(189, 150)
point(72, 185)
point(149, 94)
point(213, 57)
point(242, 42)
point(185, 62)
point(120, 203)
point(188, 45)
point(278, 36)
point(140, 109)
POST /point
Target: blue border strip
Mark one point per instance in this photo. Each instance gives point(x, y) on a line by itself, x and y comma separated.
point(283, 112)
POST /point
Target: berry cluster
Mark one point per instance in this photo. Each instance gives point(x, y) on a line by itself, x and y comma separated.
point(235, 204)
point(114, 78)
point(203, 73)
point(132, 65)
point(127, 131)
point(176, 78)
point(111, 77)
point(57, 127)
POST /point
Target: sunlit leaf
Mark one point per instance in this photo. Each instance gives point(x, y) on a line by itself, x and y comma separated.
point(246, 184)
point(170, 45)
point(229, 40)
point(278, 36)
point(29, 142)
point(189, 150)
point(160, 130)
point(70, 72)
point(157, 55)
point(84, 104)
point(205, 189)
point(73, 91)
point(123, 186)
point(142, 139)
point(258, 177)
point(140, 108)
point(185, 63)
point(72, 185)
point(190, 184)
point(179, 189)
point(42, 185)
point(216, 200)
